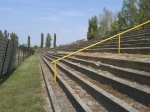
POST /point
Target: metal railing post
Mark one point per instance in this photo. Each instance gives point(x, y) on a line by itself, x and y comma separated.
point(54, 72)
point(119, 44)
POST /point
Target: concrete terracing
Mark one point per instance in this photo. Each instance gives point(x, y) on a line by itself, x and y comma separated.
point(102, 81)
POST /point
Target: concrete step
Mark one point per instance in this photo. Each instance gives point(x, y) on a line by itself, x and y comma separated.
point(110, 102)
point(145, 31)
point(138, 65)
point(134, 42)
point(123, 45)
point(133, 50)
point(76, 101)
point(135, 90)
point(51, 94)
point(137, 35)
point(128, 73)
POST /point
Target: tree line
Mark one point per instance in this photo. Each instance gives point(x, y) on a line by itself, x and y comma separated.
point(14, 37)
point(133, 12)
point(48, 41)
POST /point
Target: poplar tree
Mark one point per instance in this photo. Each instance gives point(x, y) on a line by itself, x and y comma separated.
point(42, 40)
point(29, 41)
point(105, 22)
point(48, 41)
point(93, 28)
point(54, 44)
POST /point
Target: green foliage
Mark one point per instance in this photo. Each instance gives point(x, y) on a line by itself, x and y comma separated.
point(29, 41)
point(14, 37)
point(1, 34)
point(128, 16)
point(54, 44)
point(93, 28)
point(144, 10)
point(114, 27)
point(6, 34)
point(105, 22)
point(48, 41)
point(42, 40)
point(133, 12)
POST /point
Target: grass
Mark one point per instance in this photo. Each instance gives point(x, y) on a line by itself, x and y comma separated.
point(22, 91)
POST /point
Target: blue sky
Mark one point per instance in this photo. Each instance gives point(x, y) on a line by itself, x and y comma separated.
point(67, 18)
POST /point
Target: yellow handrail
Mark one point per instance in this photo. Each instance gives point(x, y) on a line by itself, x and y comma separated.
point(112, 37)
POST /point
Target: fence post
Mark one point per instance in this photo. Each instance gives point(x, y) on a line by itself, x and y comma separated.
point(18, 55)
point(119, 44)
point(23, 52)
point(11, 59)
point(4, 57)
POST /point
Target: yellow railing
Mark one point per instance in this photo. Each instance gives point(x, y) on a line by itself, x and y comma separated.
point(97, 43)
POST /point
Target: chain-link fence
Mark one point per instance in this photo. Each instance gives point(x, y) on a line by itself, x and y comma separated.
point(22, 53)
point(11, 55)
